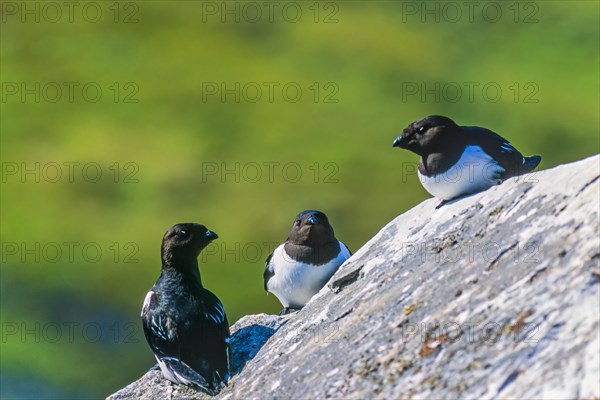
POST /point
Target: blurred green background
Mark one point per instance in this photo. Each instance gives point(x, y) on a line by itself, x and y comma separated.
point(163, 131)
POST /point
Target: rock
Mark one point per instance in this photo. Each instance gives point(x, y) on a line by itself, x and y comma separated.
point(495, 295)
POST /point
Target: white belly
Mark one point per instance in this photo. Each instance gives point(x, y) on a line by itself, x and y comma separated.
point(474, 172)
point(294, 283)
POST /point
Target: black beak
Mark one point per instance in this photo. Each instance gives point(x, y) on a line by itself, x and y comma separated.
point(211, 235)
point(312, 220)
point(398, 142)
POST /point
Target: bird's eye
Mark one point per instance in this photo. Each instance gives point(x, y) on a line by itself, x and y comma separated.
point(297, 222)
point(421, 129)
point(182, 233)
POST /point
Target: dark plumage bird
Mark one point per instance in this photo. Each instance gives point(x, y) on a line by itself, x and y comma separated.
point(301, 266)
point(184, 323)
point(460, 160)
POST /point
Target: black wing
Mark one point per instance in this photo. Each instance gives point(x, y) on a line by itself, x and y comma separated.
point(269, 271)
point(216, 338)
point(193, 351)
point(158, 336)
point(498, 148)
point(213, 308)
point(163, 342)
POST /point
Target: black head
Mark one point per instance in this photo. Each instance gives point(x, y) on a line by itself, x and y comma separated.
point(184, 242)
point(429, 135)
point(311, 228)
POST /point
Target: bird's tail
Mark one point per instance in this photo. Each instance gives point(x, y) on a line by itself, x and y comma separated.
point(179, 372)
point(529, 164)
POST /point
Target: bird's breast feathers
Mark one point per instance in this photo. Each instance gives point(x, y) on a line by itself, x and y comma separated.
point(295, 282)
point(475, 171)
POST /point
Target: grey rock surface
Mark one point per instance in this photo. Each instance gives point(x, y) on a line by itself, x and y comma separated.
point(495, 295)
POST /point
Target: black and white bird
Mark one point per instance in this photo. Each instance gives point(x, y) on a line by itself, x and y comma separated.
point(184, 323)
point(460, 160)
point(300, 267)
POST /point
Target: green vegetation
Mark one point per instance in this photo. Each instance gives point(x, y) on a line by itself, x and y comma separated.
point(366, 67)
